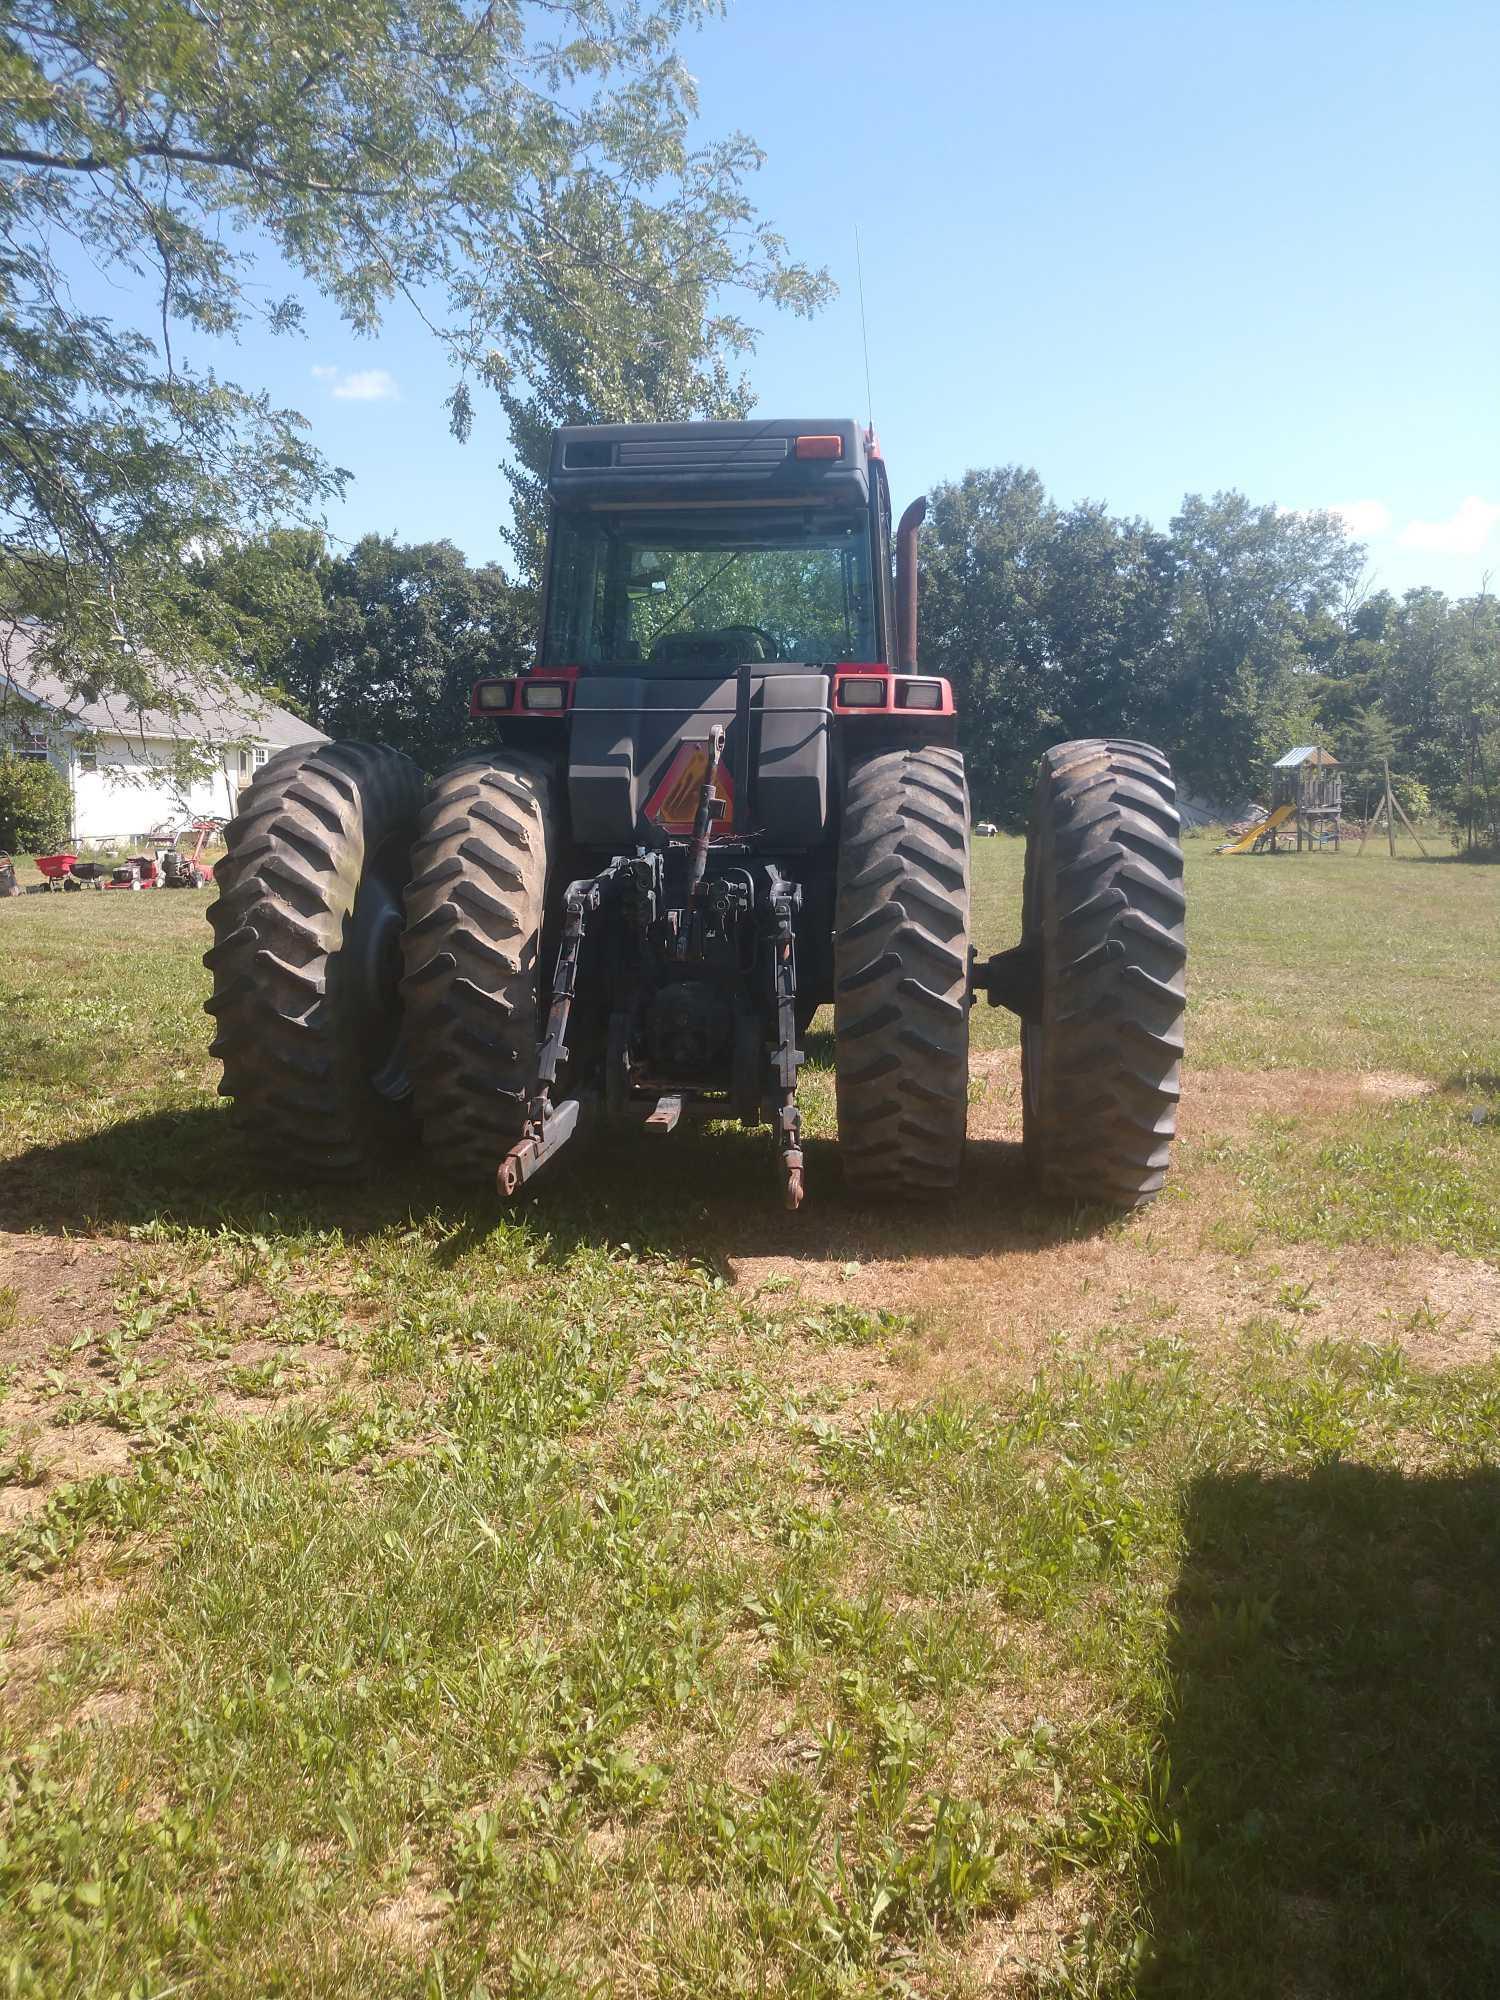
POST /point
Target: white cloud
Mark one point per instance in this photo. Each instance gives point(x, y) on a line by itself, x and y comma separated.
point(359, 385)
point(1464, 533)
point(367, 385)
point(1363, 517)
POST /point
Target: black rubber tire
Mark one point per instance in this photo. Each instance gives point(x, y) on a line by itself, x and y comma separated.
point(306, 959)
point(1102, 1069)
point(475, 914)
point(901, 972)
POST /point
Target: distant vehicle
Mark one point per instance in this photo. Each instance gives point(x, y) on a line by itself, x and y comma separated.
point(986, 829)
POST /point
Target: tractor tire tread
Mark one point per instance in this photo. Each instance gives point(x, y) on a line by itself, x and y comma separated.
point(901, 966)
point(1105, 898)
point(472, 954)
point(295, 852)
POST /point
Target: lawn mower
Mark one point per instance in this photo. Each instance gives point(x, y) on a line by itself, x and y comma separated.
point(188, 870)
point(722, 795)
point(141, 871)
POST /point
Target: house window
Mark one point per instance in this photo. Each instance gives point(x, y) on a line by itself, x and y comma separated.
point(88, 763)
point(244, 763)
point(32, 746)
point(260, 756)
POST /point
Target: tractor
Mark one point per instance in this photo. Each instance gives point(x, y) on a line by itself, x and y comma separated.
point(722, 795)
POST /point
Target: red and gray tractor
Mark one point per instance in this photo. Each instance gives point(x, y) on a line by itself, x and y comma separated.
point(721, 796)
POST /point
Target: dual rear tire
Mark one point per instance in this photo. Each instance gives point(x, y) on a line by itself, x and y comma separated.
point(376, 957)
point(306, 957)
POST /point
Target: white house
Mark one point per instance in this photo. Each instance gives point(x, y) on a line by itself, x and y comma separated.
point(133, 770)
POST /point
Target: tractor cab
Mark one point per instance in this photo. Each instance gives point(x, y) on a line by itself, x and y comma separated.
point(679, 547)
point(739, 571)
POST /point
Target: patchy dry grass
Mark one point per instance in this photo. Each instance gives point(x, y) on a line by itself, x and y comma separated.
point(651, 1594)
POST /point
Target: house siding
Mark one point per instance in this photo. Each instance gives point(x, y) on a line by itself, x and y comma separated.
point(128, 777)
point(121, 789)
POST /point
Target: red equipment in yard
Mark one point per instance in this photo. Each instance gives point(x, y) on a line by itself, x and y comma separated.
point(139, 872)
point(190, 871)
point(56, 868)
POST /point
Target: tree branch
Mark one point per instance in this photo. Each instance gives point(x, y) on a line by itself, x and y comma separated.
point(187, 156)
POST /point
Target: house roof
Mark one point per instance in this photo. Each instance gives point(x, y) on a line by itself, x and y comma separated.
point(215, 716)
point(1305, 753)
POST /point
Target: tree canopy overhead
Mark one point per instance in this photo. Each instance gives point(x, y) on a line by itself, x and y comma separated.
point(523, 175)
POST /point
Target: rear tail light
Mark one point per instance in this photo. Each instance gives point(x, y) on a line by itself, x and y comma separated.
point(862, 691)
point(819, 447)
point(919, 694)
point(544, 694)
point(491, 695)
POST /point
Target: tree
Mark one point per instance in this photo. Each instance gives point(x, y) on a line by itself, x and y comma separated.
point(1366, 746)
point(36, 806)
point(382, 642)
point(981, 624)
point(1469, 699)
point(1049, 623)
point(1252, 593)
point(522, 175)
point(638, 336)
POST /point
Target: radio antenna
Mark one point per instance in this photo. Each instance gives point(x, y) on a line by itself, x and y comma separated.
point(864, 324)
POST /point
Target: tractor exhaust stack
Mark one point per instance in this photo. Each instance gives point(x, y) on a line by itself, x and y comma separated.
point(906, 586)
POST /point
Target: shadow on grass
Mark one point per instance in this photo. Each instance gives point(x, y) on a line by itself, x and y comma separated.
point(1335, 1743)
point(1465, 1082)
point(708, 1197)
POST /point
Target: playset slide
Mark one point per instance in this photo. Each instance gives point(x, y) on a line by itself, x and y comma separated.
point(1247, 840)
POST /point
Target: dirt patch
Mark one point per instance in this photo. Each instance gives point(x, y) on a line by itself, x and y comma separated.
point(1002, 1284)
point(407, 1921)
point(36, 1622)
point(1225, 1103)
point(1392, 1086)
point(1015, 1953)
point(99, 1352)
point(59, 1284)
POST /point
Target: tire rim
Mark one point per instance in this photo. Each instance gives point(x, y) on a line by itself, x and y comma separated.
point(1031, 1067)
point(372, 951)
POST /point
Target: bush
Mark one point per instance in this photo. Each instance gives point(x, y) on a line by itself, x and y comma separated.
point(36, 806)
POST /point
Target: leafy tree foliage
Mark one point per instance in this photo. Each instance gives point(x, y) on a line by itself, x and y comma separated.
point(641, 334)
point(1255, 592)
point(1050, 623)
point(35, 806)
point(382, 642)
point(1234, 634)
point(522, 175)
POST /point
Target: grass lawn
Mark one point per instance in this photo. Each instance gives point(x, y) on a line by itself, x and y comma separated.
point(649, 1593)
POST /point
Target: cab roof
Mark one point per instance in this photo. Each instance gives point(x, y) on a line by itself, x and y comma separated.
point(620, 465)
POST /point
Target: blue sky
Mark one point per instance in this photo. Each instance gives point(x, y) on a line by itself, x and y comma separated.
point(1147, 249)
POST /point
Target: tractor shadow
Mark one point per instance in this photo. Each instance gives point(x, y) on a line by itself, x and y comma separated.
point(717, 1198)
point(709, 1198)
point(190, 1168)
point(1332, 1746)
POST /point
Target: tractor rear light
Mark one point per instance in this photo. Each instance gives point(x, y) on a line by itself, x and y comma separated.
point(544, 694)
point(815, 446)
point(492, 695)
point(862, 691)
point(919, 694)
